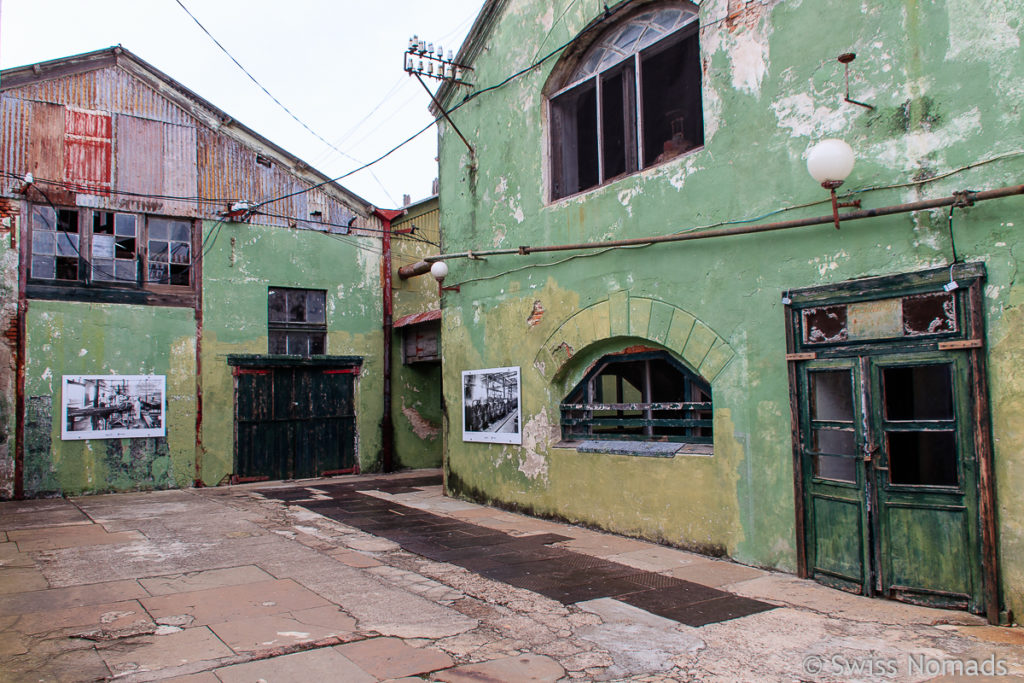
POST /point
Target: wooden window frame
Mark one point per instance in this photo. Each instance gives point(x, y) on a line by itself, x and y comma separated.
point(565, 102)
point(694, 417)
point(280, 327)
point(87, 287)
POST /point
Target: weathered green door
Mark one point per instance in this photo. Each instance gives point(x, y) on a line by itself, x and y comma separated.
point(294, 422)
point(889, 476)
point(926, 480)
point(834, 478)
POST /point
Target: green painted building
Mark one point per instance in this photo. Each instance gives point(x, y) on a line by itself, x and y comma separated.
point(661, 328)
point(184, 302)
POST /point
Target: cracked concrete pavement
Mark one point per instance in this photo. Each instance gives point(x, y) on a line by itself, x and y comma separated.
point(225, 584)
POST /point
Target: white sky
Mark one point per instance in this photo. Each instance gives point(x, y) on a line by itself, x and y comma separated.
point(336, 65)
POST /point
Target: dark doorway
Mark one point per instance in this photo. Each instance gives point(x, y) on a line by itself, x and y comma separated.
point(294, 422)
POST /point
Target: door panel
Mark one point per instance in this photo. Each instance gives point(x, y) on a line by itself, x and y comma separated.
point(890, 477)
point(837, 550)
point(294, 422)
point(927, 487)
point(833, 478)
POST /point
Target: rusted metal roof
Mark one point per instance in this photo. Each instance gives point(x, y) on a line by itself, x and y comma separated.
point(417, 318)
point(109, 125)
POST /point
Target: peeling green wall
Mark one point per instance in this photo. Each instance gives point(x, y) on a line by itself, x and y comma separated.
point(69, 338)
point(944, 78)
point(416, 388)
point(242, 263)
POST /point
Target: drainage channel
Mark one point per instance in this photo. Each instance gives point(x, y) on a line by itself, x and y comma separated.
point(528, 562)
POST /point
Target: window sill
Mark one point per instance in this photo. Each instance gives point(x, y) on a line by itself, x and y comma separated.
point(649, 449)
point(553, 202)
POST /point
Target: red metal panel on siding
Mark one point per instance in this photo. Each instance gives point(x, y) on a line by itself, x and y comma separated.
point(88, 149)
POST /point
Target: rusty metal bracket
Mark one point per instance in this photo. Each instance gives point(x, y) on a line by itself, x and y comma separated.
point(963, 198)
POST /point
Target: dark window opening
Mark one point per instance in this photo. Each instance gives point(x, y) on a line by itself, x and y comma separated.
point(673, 119)
point(647, 397)
point(297, 321)
point(920, 421)
point(633, 101)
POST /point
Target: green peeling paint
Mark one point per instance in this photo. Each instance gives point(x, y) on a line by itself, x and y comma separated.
point(942, 106)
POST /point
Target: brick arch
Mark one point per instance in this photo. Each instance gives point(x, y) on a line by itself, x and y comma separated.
point(624, 316)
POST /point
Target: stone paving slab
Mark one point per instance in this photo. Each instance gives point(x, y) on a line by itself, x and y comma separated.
point(354, 558)
point(30, 514)
point(716, 573)
point(10, 556)
point(202, 580)
point(231, 603)
point(325, 664)
point(287, 629)
point(522, 669)
point(52, 538)
point(152, 653)
point(392, 658)
point(110, 617)
point(73, 596)
point(21, 580)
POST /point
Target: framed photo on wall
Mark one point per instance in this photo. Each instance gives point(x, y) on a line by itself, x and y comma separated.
point(113, 406)
point(490, 406)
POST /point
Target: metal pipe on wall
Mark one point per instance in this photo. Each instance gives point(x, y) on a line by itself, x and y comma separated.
point(959, 198)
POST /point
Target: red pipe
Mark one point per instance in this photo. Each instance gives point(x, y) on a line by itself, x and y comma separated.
point(387, 428)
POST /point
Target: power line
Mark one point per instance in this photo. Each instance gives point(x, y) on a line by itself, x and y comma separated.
point(277, 101)
point(609, 13)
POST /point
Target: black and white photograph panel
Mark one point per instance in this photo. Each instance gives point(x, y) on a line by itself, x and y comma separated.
point(112, 406)
point(490, 406)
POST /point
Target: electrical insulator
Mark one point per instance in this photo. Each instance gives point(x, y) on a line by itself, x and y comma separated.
point(430, 48)
point(450, 56)
point(420, 66)
point(430, 68)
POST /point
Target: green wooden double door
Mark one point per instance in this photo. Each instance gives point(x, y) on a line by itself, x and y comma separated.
point(890, 476)
point(294, 422)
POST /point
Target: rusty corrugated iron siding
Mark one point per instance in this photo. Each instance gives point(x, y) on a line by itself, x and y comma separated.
point(119, 143)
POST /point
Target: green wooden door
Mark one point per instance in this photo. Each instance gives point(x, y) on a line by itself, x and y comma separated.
point(890, 480)
point(832, 431)
point(926, 477)
point(294, 423)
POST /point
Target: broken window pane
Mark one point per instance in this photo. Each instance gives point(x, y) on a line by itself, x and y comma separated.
point(919, 392)
point(277, 305)
point(933, 313)
point(824, 324)
point(923, 458)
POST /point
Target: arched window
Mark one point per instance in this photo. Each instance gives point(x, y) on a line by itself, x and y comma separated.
point(639, 397)
point(632, 101)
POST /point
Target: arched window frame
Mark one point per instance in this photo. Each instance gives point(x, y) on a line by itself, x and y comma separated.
point(622, 106)
point(587, 414)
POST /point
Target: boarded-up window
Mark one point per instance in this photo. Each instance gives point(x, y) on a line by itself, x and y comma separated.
point(421, 343)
